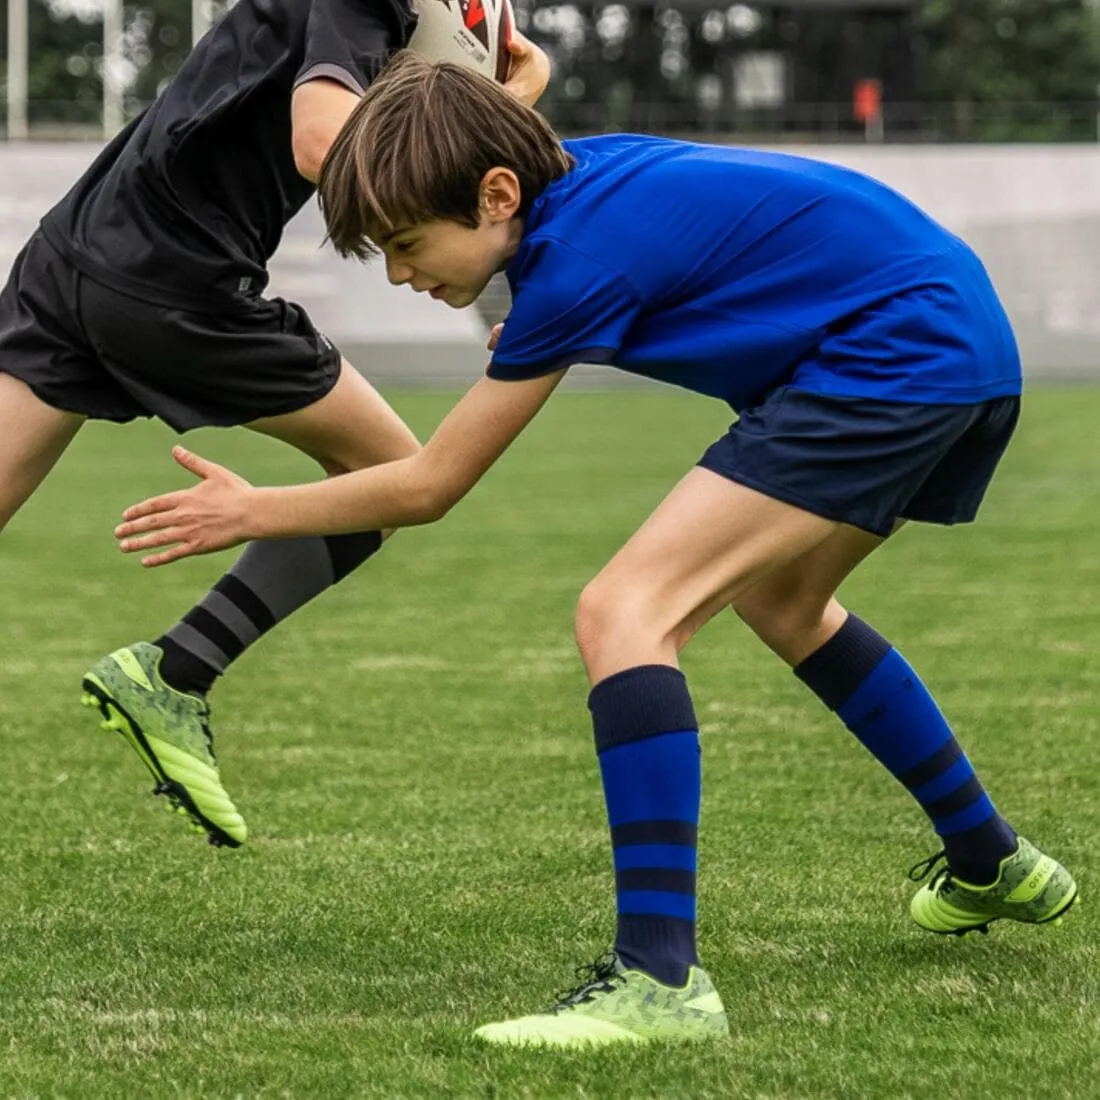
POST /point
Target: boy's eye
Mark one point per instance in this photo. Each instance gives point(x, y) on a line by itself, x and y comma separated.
point(402, 246)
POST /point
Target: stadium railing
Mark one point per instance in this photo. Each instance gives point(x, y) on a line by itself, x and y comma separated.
point(1076, 121)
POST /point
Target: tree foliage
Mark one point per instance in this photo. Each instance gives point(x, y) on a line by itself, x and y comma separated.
point(1007, 65)
point(65, 78)
point(677, 59)
point(996, 51)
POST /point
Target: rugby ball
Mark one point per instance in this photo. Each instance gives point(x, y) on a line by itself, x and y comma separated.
point(474, 33)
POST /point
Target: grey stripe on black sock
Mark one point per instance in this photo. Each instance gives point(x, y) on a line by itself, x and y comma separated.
point(268, 582)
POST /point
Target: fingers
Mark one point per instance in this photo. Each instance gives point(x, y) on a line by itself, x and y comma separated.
point(186, 522)
point(186, 546)
point(163, 537)
point(151, 507)
point(199, 466)
point(528, 70)
point(175, 554)
point(150, 521)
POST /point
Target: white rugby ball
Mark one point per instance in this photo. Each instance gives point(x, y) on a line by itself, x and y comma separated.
point(474, 33)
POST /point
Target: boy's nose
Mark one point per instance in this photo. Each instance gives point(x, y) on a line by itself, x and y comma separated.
point(398, 273)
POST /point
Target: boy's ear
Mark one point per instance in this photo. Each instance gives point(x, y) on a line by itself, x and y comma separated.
point(499, 194)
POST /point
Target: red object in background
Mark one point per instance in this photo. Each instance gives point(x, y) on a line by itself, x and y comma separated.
point(867, 100)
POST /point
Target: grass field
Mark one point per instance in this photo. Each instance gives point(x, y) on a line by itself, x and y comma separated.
point(413, 756)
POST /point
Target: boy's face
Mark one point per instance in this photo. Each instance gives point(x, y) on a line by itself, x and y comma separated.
point(451, 261)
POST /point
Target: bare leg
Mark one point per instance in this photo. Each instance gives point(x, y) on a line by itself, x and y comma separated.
point(151, 692)
point(348, 429)
point(857, 673)
point(709, 541)
point(32, 438)
point(793, 610)
point(712, 543)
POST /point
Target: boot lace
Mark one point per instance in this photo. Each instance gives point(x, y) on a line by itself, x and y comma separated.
point(593, 979)
point(923, 869)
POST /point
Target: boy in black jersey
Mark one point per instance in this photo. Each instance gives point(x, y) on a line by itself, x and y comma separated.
point(141, 294)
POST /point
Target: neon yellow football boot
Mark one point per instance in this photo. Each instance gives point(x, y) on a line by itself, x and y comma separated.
point(1031, 888)
point(170, 731)
point(616, 1005)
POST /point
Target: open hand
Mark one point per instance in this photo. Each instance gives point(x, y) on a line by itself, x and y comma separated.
point(209, 516)
point(529, 71)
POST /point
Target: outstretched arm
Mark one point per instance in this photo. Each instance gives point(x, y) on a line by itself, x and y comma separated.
point(224, 510)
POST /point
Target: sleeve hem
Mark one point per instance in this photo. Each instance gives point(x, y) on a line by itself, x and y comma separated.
point(327, 70)
point(521, 372)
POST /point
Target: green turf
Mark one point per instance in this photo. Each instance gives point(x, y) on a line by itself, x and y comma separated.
point(414, 760)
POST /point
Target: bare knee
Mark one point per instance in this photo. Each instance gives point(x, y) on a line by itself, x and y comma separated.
point(594, 619)
point(779, 614)
point(613, 618)
point(16, 487)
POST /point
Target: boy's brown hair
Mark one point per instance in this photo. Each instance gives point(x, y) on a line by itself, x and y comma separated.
point(417, 145)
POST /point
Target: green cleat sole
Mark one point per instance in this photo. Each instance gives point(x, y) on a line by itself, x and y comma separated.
point(1054, 920)
point(114, 719)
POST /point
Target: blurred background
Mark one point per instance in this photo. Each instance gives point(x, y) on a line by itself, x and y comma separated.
point(986, 112)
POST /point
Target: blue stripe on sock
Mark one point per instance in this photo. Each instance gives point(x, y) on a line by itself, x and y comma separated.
point(657, 903)
point(675, 856)
point(636, 779)
point(943, 785)
point(974, 815)
point(893, 714)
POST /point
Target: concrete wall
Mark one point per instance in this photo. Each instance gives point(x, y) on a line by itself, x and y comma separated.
point(1032, 212)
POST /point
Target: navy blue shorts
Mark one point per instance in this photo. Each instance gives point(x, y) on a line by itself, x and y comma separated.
point(867, 463)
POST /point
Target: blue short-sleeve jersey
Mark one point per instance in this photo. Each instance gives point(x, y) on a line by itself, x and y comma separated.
point(730, 272)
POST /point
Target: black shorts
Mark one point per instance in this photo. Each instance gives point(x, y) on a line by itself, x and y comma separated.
point(867, 463)
point(87, 349)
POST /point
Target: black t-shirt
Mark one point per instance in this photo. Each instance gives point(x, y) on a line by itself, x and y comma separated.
point(189, 202)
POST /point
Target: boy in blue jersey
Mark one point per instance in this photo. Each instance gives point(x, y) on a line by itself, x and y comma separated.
point(876, 378)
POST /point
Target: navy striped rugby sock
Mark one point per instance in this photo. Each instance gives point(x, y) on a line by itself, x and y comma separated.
point(878, 696)
point(648, 744)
